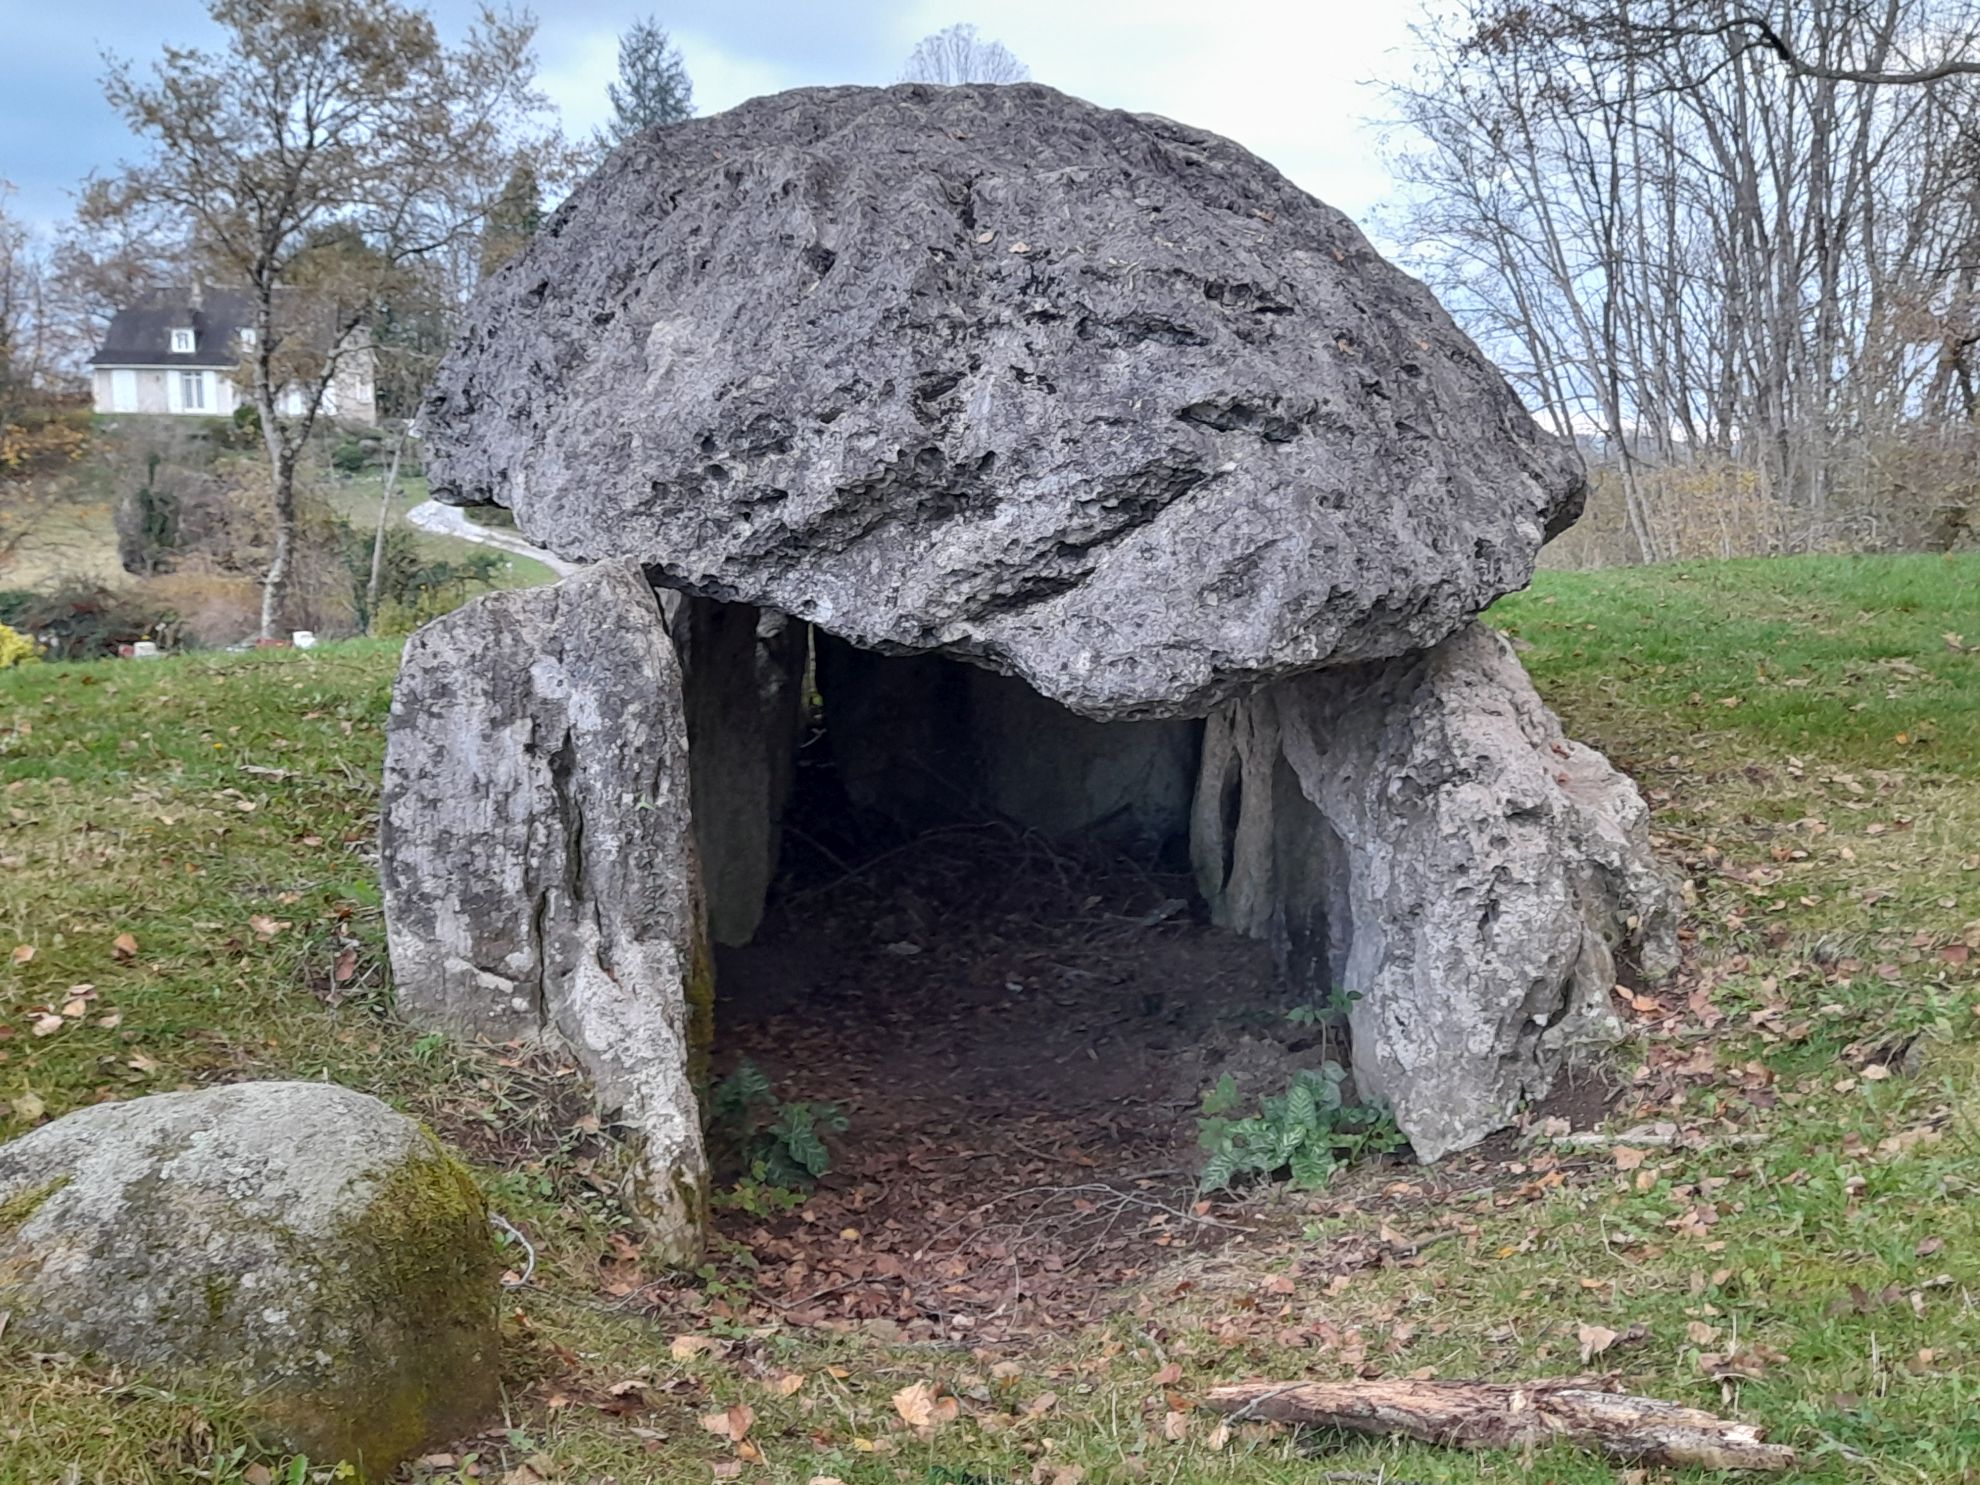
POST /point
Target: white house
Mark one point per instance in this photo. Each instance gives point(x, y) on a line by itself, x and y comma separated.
point(180, 351)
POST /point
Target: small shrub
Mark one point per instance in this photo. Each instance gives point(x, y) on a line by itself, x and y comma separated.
point(350, 457)
point(16, 649)
point(147, 522)
point(412, 587)
point(1309, 1131)
point(778, 1144)
point(36, 440)
point(80, 620)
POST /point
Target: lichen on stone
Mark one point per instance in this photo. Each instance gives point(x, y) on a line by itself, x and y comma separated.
point(298, 1248)
point(17, 1210)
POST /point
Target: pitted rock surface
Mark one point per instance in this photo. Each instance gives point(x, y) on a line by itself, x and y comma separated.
point(1422, 834)
point(298, 1246)
point(538, 861)
point(1088, 396)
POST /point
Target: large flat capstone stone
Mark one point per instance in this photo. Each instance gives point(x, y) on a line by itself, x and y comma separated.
point(1088, 396)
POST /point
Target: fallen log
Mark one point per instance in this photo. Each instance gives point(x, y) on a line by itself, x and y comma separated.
point(1515, 1415)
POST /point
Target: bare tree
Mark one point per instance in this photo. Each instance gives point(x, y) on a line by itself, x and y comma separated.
point(1755, 30)
point(323, 153)
point(1712, 260)
point(96, 267)
point(959, 55)
point(22, 313)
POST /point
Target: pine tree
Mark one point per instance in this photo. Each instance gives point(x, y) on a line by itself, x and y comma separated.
point(653, 86)
point(512, 220)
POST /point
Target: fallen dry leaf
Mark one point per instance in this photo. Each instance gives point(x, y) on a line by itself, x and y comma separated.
point(732, 1423)
point(23, 953)
point(48, 1025)
point(124, 946)
point(920, 1408)
point(686, 1347)
point(787, 1384)
point(1595, 1339)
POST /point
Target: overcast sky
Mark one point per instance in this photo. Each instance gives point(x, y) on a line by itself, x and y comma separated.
point(1289, 79)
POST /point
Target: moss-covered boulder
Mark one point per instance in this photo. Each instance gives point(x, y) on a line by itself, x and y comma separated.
point(297, 1246)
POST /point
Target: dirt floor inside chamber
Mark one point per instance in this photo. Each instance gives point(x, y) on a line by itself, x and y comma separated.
point(1019, 1033)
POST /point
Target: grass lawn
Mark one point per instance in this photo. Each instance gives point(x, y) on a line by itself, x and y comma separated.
point(1802, 1251)
point(79, 539)
point(356, 500)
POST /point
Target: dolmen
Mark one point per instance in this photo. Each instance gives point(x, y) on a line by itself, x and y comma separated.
point(1074, 455)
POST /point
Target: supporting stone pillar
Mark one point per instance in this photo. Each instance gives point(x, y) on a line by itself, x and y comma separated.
point(1419, 831)
point(1123, 784)
point(538, 857)
point(743, 672)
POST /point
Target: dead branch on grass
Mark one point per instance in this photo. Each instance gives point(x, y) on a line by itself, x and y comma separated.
point(1519, 1415)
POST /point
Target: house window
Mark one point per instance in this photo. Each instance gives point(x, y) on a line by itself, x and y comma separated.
point(247, 339)
point(192, 390)
point(182, 342)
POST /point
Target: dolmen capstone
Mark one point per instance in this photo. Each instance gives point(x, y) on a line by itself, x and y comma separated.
point(1072, 449)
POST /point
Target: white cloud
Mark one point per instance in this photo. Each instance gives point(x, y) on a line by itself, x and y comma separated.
point(1283, 78)
point(723, 78)
point(573, 74)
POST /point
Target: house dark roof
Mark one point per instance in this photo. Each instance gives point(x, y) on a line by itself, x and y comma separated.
point(141, 333)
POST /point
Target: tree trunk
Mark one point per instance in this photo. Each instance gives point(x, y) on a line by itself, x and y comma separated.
point(275, 586)
point(378, 537)
point(1519, 1415)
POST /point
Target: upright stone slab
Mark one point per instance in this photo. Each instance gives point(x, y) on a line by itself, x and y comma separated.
point(1121, 784)
point(743, 679)
point(1447, 854)
point(538, 855)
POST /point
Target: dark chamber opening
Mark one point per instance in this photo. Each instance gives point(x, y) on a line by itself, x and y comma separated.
point(981, 941)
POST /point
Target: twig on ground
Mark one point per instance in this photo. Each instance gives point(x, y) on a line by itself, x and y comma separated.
point(1517, 1415)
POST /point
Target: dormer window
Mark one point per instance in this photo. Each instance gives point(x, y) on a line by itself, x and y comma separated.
point(247, 339)
point(182, 342)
